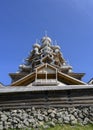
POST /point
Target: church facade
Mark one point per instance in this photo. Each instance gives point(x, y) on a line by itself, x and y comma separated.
point(46, 80)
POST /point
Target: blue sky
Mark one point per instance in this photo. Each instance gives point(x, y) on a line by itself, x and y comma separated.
point(69, 22)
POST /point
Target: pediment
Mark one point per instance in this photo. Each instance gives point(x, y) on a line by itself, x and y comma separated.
point(46, 69)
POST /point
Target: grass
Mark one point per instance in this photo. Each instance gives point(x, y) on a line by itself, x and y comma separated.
point(68, 127)
point(64, 127)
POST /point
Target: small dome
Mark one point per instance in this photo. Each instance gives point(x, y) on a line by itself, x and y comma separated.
point(46, 39)
point(47, 48)
point(57, 47)
point(21, 66)
point(36, 45)
point(1, 85)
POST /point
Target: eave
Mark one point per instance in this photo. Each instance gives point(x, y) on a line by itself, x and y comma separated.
point(15, 89)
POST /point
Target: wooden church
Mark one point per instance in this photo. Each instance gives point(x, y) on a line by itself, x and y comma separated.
point(46, 80)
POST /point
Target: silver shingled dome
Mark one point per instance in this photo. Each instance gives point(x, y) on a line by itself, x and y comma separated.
point(36, 45)
point(46, 39)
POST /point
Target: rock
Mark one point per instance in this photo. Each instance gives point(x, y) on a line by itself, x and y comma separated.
point(13, 111)
point(91, 114)
point(1, 112)
point(33, 113)
point(20, 126)
point(41, 123)
point(52, 115)
point(85, 111)
point(66, 122)
point(46, 119)
point(5, 127)
point(65, 113)
point(3, 117)
point(75, 114)
point(19, 111)
point(11, 127)
point(91, 122)
point(86, 120)
point(15, 126)
point(28, 110)
point(24, 115)
point(60, 120)
point(66, 119)
point(14, 121)
point(33, 108)
point(72, 118)
point(80, 121)
point(73, 122)
point(54, 120)
point(1, 127)
point(45, 113)
point(1, 122)
point(58, 115)
point(91, 109)
point(25, 122)
point(81, 115)
point(51, 124)
point(35, 125)
point(40, 117)
point(31, 121)
point(46, 126)
point(71, 110)
point(49, 111)
point(63, 109)
point(9, 120)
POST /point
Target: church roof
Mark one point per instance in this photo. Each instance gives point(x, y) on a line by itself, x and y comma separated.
point(45, 53)
point(61, 77)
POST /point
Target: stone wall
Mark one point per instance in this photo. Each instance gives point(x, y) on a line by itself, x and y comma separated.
point(45, 117)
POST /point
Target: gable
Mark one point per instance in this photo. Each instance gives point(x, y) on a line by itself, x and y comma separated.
point(47, 70)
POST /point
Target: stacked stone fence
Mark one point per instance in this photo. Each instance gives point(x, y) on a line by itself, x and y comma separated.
point(44, 117)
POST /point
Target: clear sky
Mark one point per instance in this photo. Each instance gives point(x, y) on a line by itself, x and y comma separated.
point(69, 22)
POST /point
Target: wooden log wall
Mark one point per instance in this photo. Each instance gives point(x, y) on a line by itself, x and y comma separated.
point(62, 98)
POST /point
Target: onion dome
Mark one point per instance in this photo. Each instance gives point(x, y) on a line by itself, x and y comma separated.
point(57, 47)
point(47, 48)
point(24, 67)
point(46, 40)
point(70, 70)
point(1, 85)
point(36, 45)
point(20, 66)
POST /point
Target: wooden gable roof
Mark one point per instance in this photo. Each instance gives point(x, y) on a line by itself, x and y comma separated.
point(64, 78)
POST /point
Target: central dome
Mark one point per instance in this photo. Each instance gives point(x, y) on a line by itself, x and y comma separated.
point(46, 40)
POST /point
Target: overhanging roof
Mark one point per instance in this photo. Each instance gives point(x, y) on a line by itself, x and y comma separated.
point(10, 89)
point(62, 77)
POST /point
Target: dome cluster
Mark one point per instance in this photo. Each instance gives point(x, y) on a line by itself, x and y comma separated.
point(44, 52)
point(46, 46)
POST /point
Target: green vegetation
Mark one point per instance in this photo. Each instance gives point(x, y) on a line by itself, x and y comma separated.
point(63, 127)
point(68, 127)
